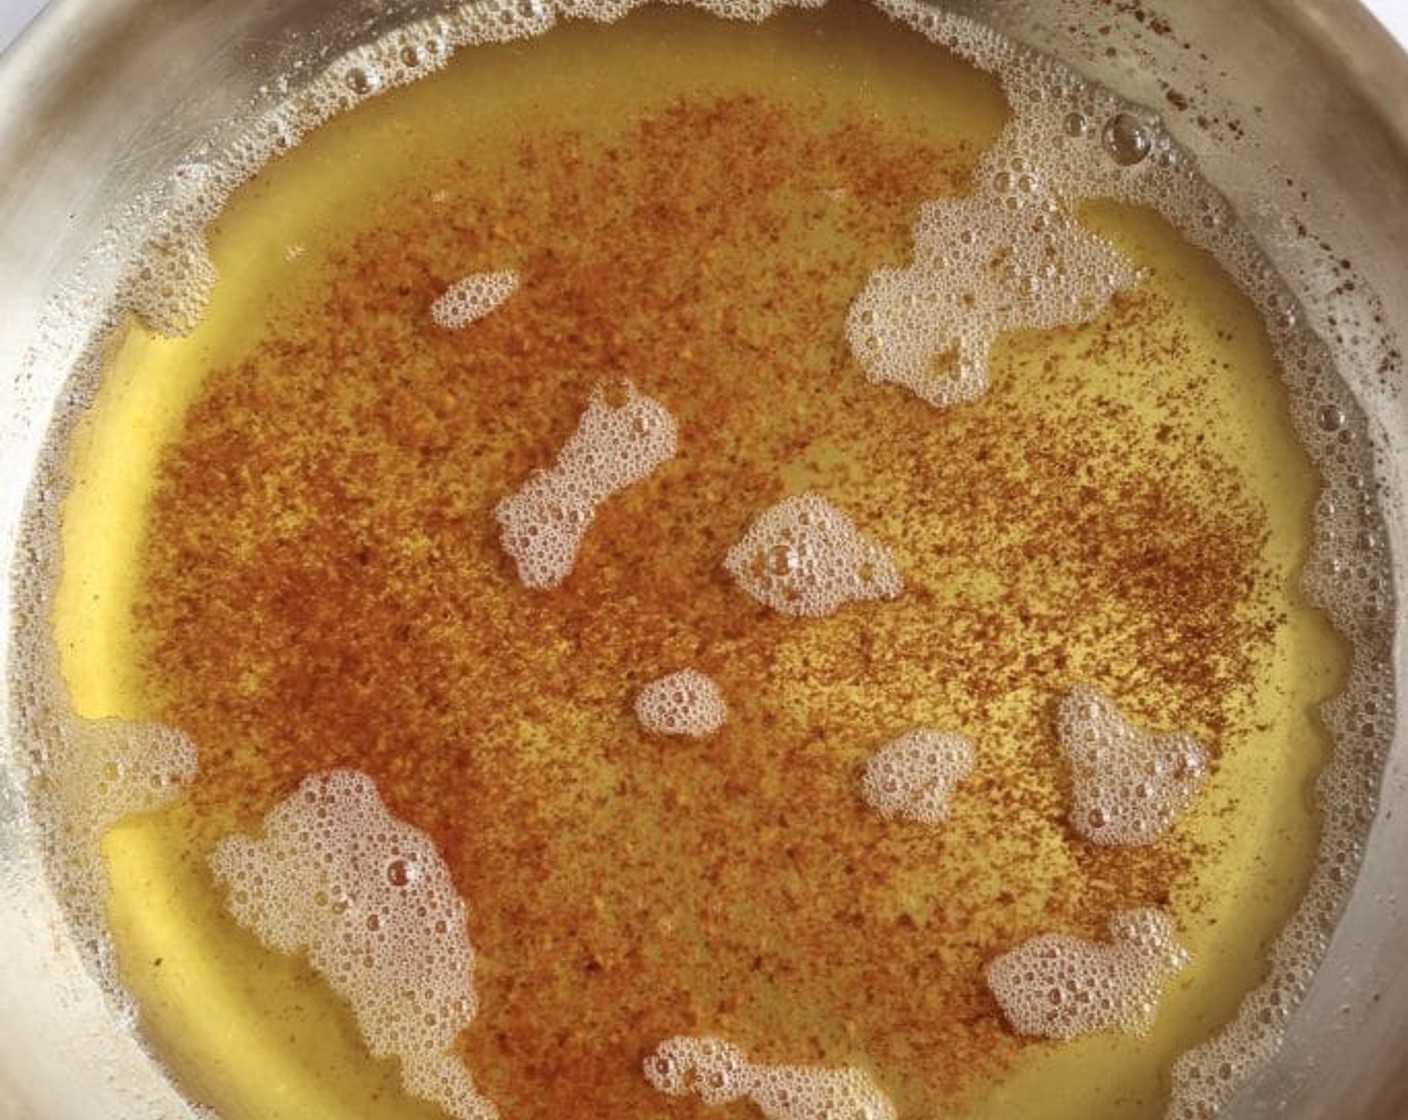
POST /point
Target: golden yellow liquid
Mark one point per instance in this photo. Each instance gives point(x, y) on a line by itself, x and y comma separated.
point(280, 539)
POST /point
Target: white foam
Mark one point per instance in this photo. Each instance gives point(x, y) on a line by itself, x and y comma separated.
point(108, 769)
point(1058, 986)
point(369, 899)
point(471, 298)
point(803, 556)
point(1130, 785)
point(172, 281)
point(613, 446)
point(95, 773)
point(751, 11)
point(718, 1072)
point(683, 703)
point(1005, 258)
point(914, 776)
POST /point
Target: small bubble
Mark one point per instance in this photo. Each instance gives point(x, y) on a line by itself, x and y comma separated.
point(1077, 125)
point(1126, 139)
point(401, 873)
point(783, 560)
point(358, 81)
point(1331, 417)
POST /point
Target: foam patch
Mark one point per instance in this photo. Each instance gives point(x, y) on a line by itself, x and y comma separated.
point(1057, 986)
point(803, 556)
point(1130, 785)
point(913, 777)
point(470, 299)
point(543, 523)
point(719, 1073)
point(1002, 259)
point(682, 703)
point(112, 768)
point(370, 900)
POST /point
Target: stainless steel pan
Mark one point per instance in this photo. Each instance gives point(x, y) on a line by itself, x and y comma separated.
point(102, 98)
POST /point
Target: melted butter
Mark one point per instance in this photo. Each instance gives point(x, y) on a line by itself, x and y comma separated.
point(280, 540)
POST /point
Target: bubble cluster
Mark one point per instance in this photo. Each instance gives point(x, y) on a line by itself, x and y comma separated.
point(1130, 785)
point(1058, 986)
point(1005, 258)
point(112, 768)
point(914, 776)
point(170, 284)
point(471, 298)
point(682, 703)
point(1126, 139)
point(803, 556)
point(613, 446)
point(369, 899)
point(95, 773)
point(719, 1073)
